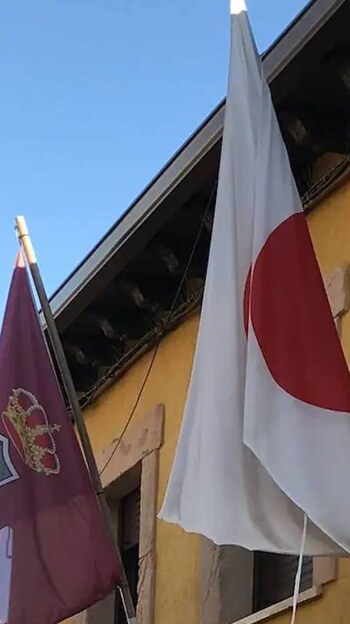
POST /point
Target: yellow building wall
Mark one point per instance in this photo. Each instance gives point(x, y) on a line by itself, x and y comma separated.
point(329, 226)
point(177, 592)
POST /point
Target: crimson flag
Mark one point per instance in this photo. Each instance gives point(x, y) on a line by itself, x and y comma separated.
point(56, 557)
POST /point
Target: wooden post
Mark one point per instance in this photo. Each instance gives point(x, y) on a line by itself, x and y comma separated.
point(67, 380)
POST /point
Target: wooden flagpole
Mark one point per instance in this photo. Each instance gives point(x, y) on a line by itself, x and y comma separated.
point(26, 243)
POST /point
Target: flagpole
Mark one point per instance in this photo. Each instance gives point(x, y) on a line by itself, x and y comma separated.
point(26, 243)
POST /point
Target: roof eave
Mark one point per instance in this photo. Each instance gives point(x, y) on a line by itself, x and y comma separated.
point(275, 60)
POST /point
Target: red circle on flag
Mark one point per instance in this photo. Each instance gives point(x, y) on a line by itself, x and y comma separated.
point(292, 322)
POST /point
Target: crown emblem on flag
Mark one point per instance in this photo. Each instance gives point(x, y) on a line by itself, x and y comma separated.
point(27, 426)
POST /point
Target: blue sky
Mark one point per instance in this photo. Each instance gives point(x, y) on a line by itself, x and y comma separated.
point(96, 95)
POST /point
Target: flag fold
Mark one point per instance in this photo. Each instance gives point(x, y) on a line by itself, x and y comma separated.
point(265, 437)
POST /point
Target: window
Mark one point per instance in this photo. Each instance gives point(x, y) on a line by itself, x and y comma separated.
point(131, 485)
point(123, 497)
point(129, 530)
point(274, 578)
point(236, 583)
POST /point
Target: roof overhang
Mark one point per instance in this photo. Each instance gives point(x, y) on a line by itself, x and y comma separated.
point(138, 222)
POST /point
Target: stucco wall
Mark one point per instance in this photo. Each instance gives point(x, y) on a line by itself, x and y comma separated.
point(329, 226)
point(177, 587)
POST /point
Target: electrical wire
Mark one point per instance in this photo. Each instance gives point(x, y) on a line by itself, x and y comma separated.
point(163, 330)
point(307, 199)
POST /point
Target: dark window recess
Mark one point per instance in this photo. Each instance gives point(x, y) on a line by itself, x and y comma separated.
point(274, 578)
point(129, 523)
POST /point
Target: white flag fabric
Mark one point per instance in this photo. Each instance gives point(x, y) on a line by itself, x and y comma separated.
point(265, 437)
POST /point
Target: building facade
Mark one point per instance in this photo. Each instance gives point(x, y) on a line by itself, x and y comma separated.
point(183, 578)
point(129, 316)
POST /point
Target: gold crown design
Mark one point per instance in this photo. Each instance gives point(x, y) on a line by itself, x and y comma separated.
point(33, 440)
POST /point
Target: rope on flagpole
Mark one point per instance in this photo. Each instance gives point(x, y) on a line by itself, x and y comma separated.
point(299, 572)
